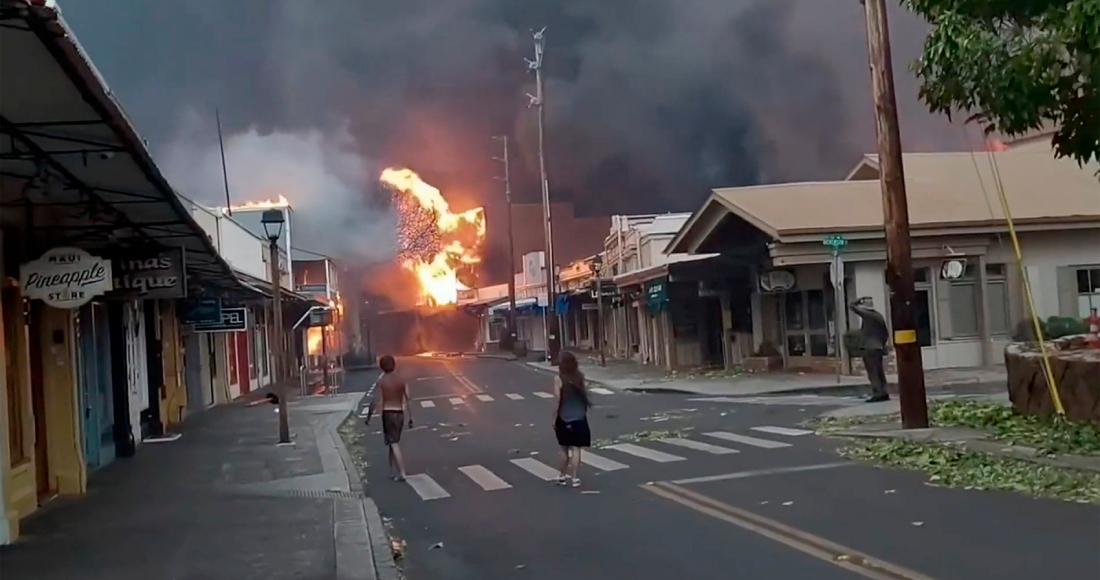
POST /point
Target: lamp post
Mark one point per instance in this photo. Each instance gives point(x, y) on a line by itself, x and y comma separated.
point(597, 266)
point(273, 221)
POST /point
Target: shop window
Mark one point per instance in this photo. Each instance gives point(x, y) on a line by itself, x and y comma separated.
point(922, 306)
point(13, 316)
point(964, 310)
point(965, 302)
point(496, 329)
point(807, 323)
point(1088, 291)
point(997, 299)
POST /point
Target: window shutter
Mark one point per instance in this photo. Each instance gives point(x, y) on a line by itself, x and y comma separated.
point(1067, 292)
point(943, 308)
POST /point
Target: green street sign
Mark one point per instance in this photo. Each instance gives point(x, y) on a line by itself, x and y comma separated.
point(834, 241)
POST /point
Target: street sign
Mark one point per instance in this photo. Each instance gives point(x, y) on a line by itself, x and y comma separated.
point(835, 242)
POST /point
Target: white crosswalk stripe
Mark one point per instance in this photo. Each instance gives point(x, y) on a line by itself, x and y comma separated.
point(427, 404)
point(485, 398)
point(426, 487)
point(457, 401)
point(644, 452)
point(485, 478)
point(602, 391)
point(514, 397)
point(746, 440)
point(782, 431)
point(601, 463)
point(536, 468)
point(543, 395)
point(700, 446)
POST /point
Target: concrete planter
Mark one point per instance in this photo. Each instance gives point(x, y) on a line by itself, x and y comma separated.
point(1076, 372)
point(762, 364)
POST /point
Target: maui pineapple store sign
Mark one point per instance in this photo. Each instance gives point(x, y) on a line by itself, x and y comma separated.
point(66, 278)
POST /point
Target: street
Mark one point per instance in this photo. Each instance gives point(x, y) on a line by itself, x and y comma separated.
point(682, 485)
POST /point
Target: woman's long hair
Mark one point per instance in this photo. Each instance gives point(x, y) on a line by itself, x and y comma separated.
point(571, 376)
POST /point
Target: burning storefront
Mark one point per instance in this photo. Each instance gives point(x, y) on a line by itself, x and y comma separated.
point(412, 307)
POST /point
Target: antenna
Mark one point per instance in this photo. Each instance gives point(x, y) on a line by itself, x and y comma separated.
point(225, 174)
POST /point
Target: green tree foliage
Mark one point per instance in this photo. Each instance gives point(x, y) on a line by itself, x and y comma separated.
point(1016, 66)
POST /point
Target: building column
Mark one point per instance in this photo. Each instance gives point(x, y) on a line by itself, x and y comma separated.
point(983, 314)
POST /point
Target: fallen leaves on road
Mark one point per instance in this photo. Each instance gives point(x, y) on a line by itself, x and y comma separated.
point(640, 436)
point(436, 546)
point(954, 466)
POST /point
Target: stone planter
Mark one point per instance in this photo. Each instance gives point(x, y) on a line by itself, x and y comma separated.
point(762, 364)
point(1076, 371)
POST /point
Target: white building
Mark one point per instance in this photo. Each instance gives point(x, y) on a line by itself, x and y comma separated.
point(955, 215)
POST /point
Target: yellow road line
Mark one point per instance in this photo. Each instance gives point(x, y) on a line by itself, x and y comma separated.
point(805, 542)
point(463, 381)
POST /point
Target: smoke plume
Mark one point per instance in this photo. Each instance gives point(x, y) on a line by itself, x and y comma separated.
point(649, 103)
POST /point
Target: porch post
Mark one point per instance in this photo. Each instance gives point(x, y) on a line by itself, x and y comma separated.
point(6, 532)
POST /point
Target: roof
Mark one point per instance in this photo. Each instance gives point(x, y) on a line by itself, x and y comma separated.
point(651, 272)
point(943, 190)
point(68, 140)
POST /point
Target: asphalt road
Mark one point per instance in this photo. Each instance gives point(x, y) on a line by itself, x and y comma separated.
point(740, 490)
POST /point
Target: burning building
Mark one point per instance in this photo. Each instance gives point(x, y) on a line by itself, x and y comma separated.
point(414, 305)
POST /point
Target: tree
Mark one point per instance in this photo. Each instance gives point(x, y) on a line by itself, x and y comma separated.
point(1016, 66)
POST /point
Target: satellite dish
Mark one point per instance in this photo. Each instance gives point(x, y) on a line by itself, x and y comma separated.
point(953, 269)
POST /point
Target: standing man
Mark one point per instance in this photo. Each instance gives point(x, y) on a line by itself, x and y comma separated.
point(394, 393)
point(875, 338)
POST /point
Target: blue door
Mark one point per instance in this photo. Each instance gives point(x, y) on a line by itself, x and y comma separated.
point(94, 359)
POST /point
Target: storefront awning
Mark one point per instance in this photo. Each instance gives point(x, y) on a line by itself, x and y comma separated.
point(72, 162)
point(660, 271)
point(523, 305)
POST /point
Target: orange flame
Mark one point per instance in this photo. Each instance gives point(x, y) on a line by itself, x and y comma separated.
point(313, 340)
point(263, 204)
point(436, 270)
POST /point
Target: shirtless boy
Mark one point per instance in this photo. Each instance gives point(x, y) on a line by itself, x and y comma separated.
point(394, 393)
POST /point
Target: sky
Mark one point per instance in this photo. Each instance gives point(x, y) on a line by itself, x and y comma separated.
point(649, 103)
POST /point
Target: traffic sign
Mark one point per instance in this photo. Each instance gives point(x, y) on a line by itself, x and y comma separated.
point(835, 241)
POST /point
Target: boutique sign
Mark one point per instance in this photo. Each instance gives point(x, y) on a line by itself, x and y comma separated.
point(149, 275)
point(66, 278)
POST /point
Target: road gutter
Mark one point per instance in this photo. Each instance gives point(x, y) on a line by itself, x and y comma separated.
point(362, 544)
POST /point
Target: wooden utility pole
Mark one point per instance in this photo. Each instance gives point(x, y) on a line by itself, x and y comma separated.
point(895, 209)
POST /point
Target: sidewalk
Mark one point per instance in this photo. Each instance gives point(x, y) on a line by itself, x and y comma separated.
point(630, 376)
point(223, 502)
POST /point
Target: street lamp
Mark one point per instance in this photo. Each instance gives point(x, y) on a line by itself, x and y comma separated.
point(597, 266)
point(273, 221)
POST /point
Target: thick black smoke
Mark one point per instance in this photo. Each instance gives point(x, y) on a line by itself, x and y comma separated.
point(649, 102)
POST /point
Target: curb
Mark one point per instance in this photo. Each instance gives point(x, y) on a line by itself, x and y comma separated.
point(366, 522)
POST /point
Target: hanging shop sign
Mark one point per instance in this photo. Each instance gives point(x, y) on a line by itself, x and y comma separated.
point(234, 319)
point(66, 278)
point(202, 311)
point(149, 275)
point(656, 295)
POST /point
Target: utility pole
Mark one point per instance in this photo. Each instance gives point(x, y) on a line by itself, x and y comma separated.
point(899, 266)
point(537, 100)
point(597, 267)
point(511, 246)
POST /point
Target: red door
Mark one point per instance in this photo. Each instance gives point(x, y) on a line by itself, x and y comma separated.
point(240, 340)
